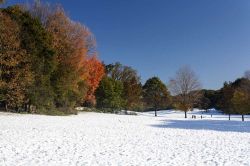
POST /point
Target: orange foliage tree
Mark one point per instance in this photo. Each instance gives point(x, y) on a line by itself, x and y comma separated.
point(69, 42)
point(75, 48)
point(94, 73)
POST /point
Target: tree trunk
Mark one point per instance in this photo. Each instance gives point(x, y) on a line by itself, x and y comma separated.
point(29, 108)
point(6, 107)
point(185, 114)
point(155, 112)
point(242, 117)
point(25, 107)
point(229, 116)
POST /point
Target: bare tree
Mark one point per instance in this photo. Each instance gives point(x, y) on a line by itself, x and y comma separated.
point(2, 1)
point(247, 74)
point(185, 86)
point(42, 11)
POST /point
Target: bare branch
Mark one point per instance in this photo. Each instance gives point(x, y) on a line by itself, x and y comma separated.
point(186, 88)
point(247, 74)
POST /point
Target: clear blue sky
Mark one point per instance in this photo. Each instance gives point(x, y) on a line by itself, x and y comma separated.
point(156, 37)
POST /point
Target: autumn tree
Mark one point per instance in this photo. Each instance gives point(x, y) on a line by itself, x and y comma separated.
point(69, 57)
point(186, 88)
point(132, 94)
point(155, 94)
point(95, 72)
point(15, 69)
point(37, 43)
point(132, 88)
point(79, 71)
point(241, 98)
point(227, 93)
point(241, 103)
point(58, 54)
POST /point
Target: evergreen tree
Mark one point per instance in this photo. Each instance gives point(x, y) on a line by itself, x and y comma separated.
point(210, 98)
point(226, 104)
point(204, 103)
point(155, 94)
point(109, 94)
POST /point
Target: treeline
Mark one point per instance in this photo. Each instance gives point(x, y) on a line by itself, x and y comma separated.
point(48, 62)
point(49, 65)
point(121, 88)
point(232, 98)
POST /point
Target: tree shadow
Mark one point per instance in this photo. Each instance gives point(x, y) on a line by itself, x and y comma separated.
point(160, 113)
point(216, 125)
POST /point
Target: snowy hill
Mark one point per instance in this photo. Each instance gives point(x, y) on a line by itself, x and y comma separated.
point(109, 139)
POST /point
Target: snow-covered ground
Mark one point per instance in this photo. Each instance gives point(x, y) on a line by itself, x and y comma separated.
point(108, 139)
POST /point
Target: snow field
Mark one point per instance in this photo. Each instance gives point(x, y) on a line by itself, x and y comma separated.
point(108, 139)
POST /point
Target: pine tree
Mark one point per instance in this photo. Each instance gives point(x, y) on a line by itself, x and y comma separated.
point(155, 94)
point(226, 104)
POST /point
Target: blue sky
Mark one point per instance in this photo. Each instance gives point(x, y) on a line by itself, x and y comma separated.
point(156, 37)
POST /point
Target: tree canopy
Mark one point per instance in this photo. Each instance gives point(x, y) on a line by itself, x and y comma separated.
point(155, 94)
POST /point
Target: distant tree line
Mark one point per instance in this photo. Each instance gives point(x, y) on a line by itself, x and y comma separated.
point(232, 98)
point(121, 89)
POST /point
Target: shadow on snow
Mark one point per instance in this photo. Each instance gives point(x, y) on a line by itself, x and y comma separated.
point(216, 125)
